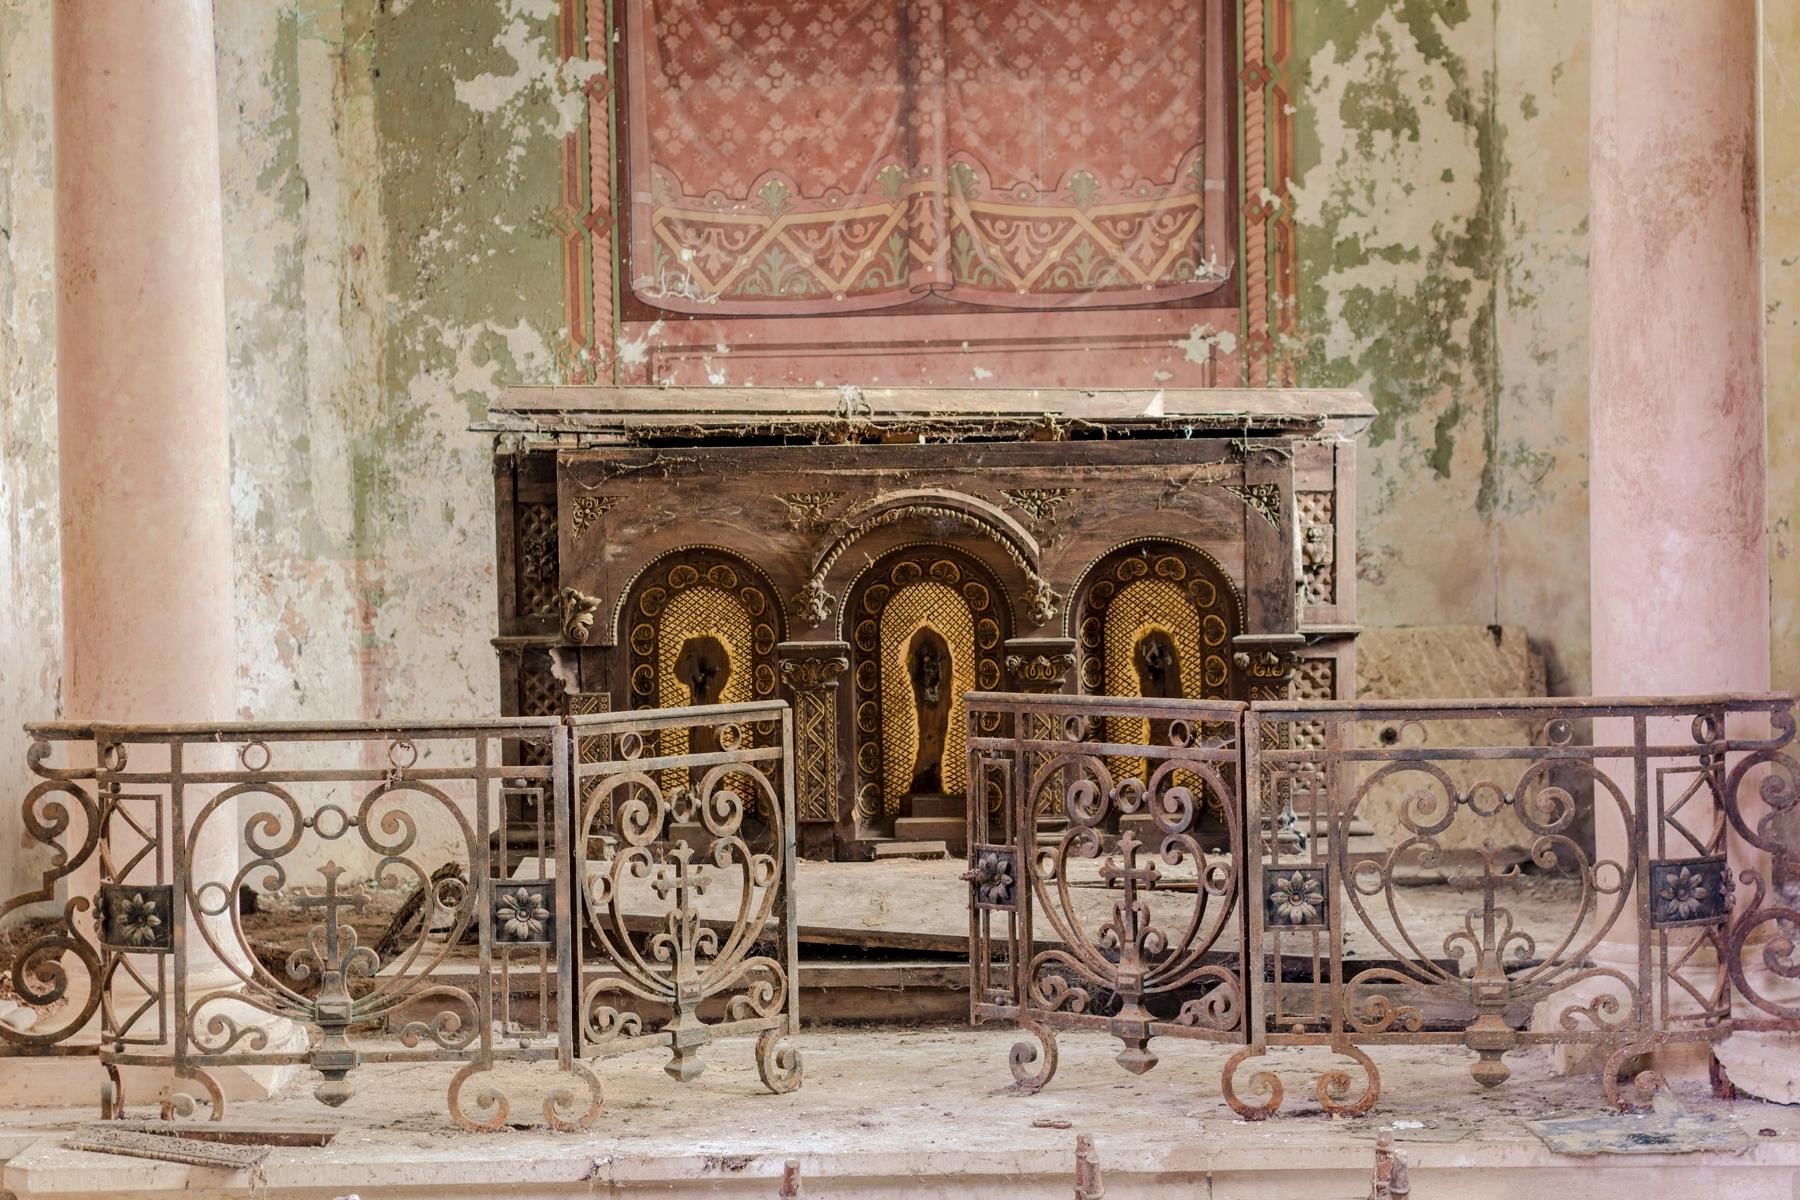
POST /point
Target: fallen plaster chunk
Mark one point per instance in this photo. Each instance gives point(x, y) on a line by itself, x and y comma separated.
point(1764, 1065)
point(1667, 1129)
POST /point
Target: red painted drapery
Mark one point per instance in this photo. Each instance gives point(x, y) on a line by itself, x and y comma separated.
point(807, 157)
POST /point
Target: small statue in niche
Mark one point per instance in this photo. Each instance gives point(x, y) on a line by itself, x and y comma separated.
point(928, 663)
point(705, 668)
point(1158, 665)
point(1159, 675)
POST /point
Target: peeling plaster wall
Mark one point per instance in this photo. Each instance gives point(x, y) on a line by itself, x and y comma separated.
point(385, 170)
point(30, 590)
point(1781, 351)
point(1441, 206)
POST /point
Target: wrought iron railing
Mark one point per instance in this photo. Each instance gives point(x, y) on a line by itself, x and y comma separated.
point(401, 919)
point(713, 824)
point(1134, 890)
point(1673, 920)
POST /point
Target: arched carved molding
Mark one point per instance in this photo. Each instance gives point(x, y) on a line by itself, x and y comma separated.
point(1085, 580)
point(815, 602)
point(663, 561)
point(741, 609)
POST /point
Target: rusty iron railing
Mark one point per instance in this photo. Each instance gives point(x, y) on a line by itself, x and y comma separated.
point(402, 918)
point(678, 825)
point(1135, 889)
point(1676, 921)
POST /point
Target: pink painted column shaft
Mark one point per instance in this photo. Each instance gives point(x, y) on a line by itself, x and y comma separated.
point(143, 441)
point(143, 438)
point(1680, 599)
point(1680, 571)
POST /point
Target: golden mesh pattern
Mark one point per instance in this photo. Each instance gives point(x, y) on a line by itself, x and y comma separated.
point(912, 608)
point(966, 604)
point(701, 612)
point(699, 592)
point(1144, 607)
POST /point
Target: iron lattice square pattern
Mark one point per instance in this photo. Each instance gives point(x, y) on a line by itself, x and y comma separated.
point(1689, 891)
point(523, 912)
point(137, 917)
point(1296, 897)
point(993, 877)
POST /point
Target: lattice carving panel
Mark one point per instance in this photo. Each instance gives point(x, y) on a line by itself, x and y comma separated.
point(539, 571)
point(1318, 546)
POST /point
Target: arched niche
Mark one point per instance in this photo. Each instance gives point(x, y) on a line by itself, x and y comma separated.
point(926, 623)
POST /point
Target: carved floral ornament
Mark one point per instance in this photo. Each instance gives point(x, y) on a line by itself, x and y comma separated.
point(578, 611)
point(1044, 668)
point(588, 509)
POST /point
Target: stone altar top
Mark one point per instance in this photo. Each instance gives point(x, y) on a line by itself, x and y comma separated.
point(849, 413)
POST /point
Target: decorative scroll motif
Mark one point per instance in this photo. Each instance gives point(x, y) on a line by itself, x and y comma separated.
point(1041, 671)
point(1318, 546)
point(578, 611)
point(813, 680)
point(58, 970)
point(1715, 955)
point(539, 572)
point(1155, 949)
point(815, 603)
point(806, 510)
point(324, 816)
point(1263, 499)
point(954, 596)
point(1040, 504)
point(585, 510)
point(698, 855)
point(327, 819)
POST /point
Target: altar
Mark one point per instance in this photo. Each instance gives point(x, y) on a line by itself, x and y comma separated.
point(874, 555)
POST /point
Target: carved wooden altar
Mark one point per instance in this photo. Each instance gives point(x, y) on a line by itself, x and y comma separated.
point(873, 555)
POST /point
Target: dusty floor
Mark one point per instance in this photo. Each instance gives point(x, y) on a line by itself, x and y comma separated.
point(893, 1104)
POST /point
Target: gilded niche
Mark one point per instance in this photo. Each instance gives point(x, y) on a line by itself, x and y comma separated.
point(928, 624)
point(703, 626)
point(1157, 619)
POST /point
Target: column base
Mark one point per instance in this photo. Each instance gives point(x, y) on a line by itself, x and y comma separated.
point(1677, 1060)
point(76, 1080)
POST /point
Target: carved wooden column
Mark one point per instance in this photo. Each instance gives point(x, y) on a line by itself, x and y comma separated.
point(810, 671)
point(1043, 665)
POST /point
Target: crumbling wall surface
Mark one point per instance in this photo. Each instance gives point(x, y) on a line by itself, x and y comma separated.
point(30, 591)
point(386, 167)
point(1441, 207)
point(468, 120)
point(1781, 350)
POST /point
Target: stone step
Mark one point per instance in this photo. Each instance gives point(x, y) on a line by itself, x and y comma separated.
point(948, 829)
point(935, 806)
point(911, 849)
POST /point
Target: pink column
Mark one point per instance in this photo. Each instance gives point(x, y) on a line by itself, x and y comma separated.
point(143, 438)
point(1680, 598)
point(140, 346)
